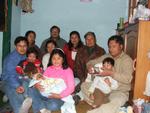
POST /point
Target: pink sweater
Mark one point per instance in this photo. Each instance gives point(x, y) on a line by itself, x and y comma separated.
point(65, 74)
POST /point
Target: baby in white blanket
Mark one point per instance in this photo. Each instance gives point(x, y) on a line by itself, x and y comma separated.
point(98, 85)
point(50, 85)
point(106, 84)
point(54, 85)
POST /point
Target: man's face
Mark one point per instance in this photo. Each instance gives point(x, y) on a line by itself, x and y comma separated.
point(54, 33)
point(90, 41)
point(21, 47)
point(115, 48)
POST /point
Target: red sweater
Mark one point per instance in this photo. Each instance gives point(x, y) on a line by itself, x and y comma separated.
point(68, 53)
point(21, 66)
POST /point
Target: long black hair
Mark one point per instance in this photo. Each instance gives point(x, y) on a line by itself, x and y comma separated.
point(61, 53)
point(80, 43)
point(48, 42)
point(28, 32)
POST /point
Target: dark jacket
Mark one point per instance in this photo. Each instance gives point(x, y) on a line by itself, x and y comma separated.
point(83, 57)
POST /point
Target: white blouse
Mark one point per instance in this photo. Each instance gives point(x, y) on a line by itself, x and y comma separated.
point(45, 60)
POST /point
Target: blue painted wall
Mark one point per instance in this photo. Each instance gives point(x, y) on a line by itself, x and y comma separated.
point(15, 24)
point(99, 16)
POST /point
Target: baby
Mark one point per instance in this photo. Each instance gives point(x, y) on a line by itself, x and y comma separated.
point(50, 85)
point(105, 84)
point(32, 60)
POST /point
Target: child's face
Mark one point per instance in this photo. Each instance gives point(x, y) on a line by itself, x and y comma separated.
point(57, 60)
point(31, 57)
point(107, 65)
point(50, 47)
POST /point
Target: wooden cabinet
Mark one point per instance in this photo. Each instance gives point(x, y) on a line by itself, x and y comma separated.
point(137, 45)
point(130, 39)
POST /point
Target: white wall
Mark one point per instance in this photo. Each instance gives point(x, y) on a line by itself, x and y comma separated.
point(15, 24)
point(1, 45)
point(99, 16)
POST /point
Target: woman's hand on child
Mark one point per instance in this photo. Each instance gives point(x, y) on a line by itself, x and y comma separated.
point(20, 89)
point(90, 69)
point(39, 86)
point(54, 95)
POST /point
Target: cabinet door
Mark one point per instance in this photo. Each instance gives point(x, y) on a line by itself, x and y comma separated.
point(142, 61)
point(130, 48)
point(131, 42)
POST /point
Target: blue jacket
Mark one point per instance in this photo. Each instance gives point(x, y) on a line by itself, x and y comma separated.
point(9, 74)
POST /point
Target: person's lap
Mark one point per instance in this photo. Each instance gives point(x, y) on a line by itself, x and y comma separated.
point(52, 104)
point(15, 99)
point(116, 100)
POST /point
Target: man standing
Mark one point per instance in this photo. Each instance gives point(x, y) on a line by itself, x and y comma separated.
point(122, 74)
point(54, 35)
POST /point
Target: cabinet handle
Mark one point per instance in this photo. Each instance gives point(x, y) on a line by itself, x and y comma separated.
point(134, 64)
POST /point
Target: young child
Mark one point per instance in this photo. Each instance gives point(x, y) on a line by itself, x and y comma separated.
point(104, 84)
point(60, 82)
point(32, 56)
point(50, 45)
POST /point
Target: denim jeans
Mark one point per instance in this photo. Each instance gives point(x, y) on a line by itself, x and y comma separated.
point(16, 99)
point(38, 101)
point(52, 104)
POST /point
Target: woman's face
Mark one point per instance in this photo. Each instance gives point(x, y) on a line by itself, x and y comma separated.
point(50, 47)
point(31, 38)
point(90, 41)
point(74, 39)
point(57, 60)
point(31, 57)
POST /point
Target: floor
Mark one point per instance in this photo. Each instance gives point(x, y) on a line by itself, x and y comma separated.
point(82, 107)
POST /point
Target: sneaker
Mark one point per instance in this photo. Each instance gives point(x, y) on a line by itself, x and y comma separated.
point(45, 111)
point(5, 98)
point(27, 103)
point(76, 98)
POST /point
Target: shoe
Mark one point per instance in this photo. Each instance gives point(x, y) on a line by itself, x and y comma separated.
point(5, 98)
point(27, 103)
point(77, 99)
point(45, 111)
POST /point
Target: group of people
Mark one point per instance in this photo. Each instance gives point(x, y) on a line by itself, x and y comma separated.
point(66, 69)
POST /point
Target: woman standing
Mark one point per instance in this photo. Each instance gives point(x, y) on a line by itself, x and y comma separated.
point(72, 47)
point(31, 36)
